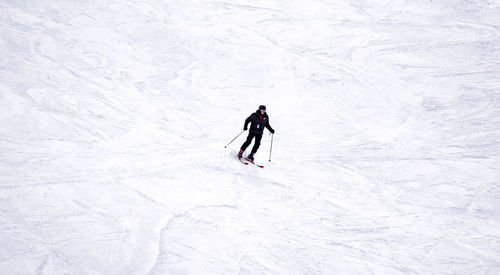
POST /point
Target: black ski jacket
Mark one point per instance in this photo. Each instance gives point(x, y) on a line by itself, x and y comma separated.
point(257, 123)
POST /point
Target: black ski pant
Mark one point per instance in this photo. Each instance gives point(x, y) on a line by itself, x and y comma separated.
point(256, 145)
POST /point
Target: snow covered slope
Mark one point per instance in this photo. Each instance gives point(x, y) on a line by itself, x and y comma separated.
point(114, 116)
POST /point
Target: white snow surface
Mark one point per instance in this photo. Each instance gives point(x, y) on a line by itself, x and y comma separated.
point(114, 116)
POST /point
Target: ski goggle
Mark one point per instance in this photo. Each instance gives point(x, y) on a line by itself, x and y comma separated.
point(263, 110)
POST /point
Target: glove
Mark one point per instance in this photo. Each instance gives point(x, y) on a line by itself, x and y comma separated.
point(272, 131)
point(245, 128)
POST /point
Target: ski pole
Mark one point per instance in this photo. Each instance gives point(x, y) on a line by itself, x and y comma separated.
point(271, 150)
point(234, 138)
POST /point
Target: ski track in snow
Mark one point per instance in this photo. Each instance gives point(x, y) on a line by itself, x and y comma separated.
point(114, 118)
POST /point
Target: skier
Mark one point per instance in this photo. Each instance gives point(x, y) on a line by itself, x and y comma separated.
point(258, 121)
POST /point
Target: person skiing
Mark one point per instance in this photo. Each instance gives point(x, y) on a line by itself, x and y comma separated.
point(258, 121)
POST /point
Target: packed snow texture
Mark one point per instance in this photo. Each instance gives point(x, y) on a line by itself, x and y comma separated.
point(114, 116)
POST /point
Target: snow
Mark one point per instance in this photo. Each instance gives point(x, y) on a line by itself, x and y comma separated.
point(114, 116)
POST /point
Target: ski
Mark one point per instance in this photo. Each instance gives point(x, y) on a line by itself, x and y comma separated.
point(242, 161)
point(251, 161)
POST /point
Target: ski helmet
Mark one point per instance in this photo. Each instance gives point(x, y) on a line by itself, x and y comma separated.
point(262, 107)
